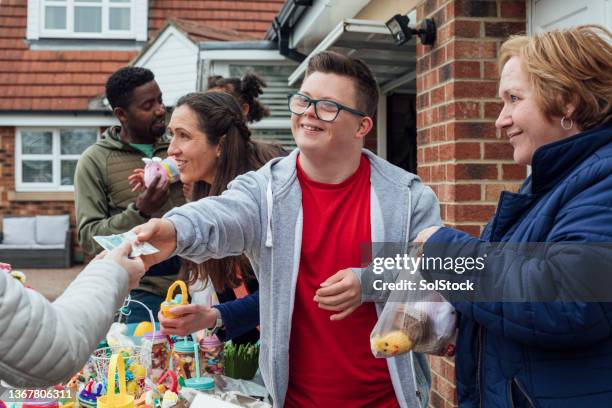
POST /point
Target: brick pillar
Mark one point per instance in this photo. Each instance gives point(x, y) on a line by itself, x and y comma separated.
point(461, 154)
point(7, 167)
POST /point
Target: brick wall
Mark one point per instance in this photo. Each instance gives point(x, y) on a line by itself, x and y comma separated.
point(10, 206)
point(461, 154)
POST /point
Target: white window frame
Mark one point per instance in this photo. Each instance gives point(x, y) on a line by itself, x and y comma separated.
point(138, 20)
point(56, 157)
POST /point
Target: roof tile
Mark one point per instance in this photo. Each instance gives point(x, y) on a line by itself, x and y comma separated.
point(68, 80)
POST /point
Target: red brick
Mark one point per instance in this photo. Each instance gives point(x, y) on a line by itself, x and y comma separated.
point(429, 154)
point(429, 7)
point(440, 17)
point(471, 171)
point(444, 34)
point(498, 150)
point(474, 89)
point(435, 399)
point(422, 100)
point(514, 9)
point(459, 151)
point(439, 132)
point(463, 110)
point(469, 8)
point(514, 172)
point(438, 57)
point(437, 95)
point(474, 49)
point(492, 109)
point(471, 130)
point(466, 28)
point(459, 192)
point(438, 172)
point(447, 391)
point(490, 70)
point(448, 363)
point(504, 29)
point(424, 173)
point(435, 364)
point(469, 212)
point(423, 64)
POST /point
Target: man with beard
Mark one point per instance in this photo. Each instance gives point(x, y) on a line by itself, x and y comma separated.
point(105, 203)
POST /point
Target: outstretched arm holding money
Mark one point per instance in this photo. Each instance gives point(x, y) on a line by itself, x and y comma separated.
point(59, 337)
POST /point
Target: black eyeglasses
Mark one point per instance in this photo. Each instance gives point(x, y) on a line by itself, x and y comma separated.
point(325, 109)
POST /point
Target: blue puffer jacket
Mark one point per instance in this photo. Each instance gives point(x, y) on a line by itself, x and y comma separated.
point(552, 354)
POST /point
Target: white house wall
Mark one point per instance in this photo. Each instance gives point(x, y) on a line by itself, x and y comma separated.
point(174, 61)
point(547, 15)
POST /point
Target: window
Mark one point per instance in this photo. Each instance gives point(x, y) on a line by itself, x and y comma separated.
point(87, 19)
point(46, 158)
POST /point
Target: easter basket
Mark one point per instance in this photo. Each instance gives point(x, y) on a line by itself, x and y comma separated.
point(116, 374)
point(134, 360)
point(415, 320)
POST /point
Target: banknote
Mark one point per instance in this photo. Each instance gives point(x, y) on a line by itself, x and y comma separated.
point(110, 242)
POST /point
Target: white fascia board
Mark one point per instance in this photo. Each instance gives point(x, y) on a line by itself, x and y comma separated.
point(321, 17)
point(353, 25)
point(50, 120)
point(241, 55)
point(142, 60)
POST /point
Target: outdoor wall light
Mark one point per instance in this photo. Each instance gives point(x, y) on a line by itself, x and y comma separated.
point(398, 25)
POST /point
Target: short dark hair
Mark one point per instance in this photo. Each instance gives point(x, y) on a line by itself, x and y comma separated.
point(121, 84)
point(330, 62)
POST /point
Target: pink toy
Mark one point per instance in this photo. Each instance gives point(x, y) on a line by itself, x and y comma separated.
point(166, 168)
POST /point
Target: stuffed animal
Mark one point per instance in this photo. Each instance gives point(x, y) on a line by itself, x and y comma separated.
point(391, 344)
point(166, 168)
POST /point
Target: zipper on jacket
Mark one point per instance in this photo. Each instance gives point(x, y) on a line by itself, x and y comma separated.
point(522, 391)
point(478, 372)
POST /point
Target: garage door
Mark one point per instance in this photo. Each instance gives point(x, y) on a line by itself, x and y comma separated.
point(546, 15)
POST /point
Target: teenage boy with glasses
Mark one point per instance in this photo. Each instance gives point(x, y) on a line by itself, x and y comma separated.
point(302, 221)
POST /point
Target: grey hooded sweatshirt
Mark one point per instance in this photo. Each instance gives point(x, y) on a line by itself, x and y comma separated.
point(260, 214)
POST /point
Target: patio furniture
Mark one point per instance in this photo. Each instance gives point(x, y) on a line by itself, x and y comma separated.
point(42, 241)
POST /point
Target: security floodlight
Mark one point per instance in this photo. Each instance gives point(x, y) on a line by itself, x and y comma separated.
point(398, 26)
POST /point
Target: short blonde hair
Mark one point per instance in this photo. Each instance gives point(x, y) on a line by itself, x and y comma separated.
point(568, 66)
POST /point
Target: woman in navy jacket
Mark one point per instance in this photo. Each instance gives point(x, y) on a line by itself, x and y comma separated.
point(556, 90)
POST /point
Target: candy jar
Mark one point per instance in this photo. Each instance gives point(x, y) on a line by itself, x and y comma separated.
point(202, 384)
point(160, 354)
point(211, 349)
point(183, 359)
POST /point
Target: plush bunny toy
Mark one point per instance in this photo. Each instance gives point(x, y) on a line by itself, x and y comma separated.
point(166, 168)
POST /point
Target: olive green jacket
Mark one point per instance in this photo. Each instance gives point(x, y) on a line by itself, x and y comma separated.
point(104, 200)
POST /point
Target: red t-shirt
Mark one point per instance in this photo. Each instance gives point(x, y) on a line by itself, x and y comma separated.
point(330, 362)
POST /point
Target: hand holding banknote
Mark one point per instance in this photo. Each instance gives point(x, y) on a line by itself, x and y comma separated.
point(110, 242)
point(161, 234)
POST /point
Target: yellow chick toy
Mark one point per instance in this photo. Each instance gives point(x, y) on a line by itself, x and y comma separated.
point(139, 371)
point(391, 344)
